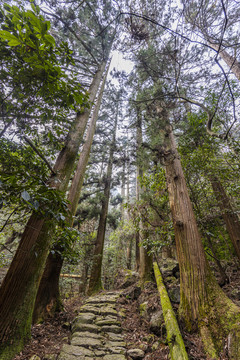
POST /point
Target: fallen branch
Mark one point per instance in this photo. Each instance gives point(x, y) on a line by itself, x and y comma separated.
point(71, 276)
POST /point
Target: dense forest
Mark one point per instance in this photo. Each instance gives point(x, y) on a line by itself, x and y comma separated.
point(120, 149)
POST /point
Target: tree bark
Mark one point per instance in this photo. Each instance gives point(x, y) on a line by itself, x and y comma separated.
point(229, 216)
point(95, 283)
point(145, 260)
point(203, 304)
point(19, 288)
point(231, 61)
point(46, 306)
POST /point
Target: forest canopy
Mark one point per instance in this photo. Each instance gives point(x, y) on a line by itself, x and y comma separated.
point(105, 168)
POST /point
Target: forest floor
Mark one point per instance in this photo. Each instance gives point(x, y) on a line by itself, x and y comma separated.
point(48, 338)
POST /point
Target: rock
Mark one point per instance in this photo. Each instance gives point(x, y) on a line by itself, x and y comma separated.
point(108, 311)
point(114, 357)
point(121, 313)
point(85, 327)
point(143, 346)
point(115, 337)
point(133, 292)
point(64, 356)
point(126, 278)
point(155, 346)
point(84, 318)
point(118, 350)
point(174, 294)
point(157, 323)
point(112, 344)
point(169, 267)
point(112, 329)
point(136, 354)
point(235, 294)
point(143, 308)
point(66, 325)
point(107, 322)
point(86, 342)
point(99, 353)
point(108, 299)
point(76, 350)
point(86, 334)
point(171, 280)
point(90, 309)
point(50, 357)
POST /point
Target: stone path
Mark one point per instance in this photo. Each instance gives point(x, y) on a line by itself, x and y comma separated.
point(96, 332)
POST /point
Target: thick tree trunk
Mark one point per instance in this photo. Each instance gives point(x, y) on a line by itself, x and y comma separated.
point(49, 301)
point(146, 265)
point(229, 216)
point(145, 260)
point(203, 304)
point(19, 288)
point(46, 306)
point(95, 283)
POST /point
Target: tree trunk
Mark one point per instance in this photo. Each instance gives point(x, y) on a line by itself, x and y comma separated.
point(19, 288)
point(229, 216)
point(224, 278)
point(137, 250)
point(46, 306)
point(203, 304)
point(129, 253)
point(49, 301)
point(145, 260)
point(146, 265)
point(95, 283)
point(231, 61)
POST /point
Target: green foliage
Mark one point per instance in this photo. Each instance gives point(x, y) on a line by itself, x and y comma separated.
point(35, 85)
point(24, 182)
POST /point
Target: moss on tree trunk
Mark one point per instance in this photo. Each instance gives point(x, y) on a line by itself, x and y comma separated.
point(48, 297)
point(19, 288)
point(203, 304)
point(174, 337)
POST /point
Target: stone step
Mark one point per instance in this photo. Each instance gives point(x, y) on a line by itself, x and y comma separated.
point(96, 331)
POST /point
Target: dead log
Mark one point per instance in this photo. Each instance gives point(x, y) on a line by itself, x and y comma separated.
point(174, 337)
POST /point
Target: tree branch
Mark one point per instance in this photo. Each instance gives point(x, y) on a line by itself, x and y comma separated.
point(39, 154)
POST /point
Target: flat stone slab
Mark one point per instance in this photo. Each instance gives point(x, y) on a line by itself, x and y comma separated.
point(112, 329)
point(85, 318)
point(114, 337)
point(114, 344)
point(107, 311)
point(64, 356)
point(86, 342)
point(107, 322)
point(106, 299)
point(118, 350)
point(76, 351)
point(114, 357)
point(86, 327)
point(86, 334)
point(90, 309)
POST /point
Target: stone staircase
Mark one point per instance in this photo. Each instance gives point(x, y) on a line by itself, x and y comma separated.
point(96, 332)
